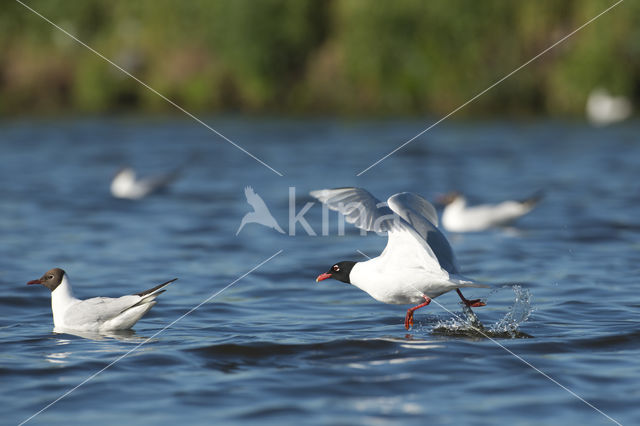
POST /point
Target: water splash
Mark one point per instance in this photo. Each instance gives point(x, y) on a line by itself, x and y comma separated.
point(518, 313)
point(506, 327)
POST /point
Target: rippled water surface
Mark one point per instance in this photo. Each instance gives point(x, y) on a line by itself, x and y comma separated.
point(277, 348)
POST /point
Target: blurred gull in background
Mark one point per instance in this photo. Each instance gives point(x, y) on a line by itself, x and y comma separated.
point(604, 109)
point(125, 184)
point(458, 217)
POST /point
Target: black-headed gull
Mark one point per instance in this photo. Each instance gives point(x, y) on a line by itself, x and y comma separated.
point(126, 185)
point(98, 313)
point(458, 217)
point(417, 264)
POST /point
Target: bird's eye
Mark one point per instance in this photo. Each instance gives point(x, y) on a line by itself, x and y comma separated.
point(50, 277)
point(336, 268)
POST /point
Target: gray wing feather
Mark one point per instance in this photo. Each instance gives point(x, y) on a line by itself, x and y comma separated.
point(417, 204)
point(418, 212)
point(419, 217)
point(358, 207)
point(100, 309)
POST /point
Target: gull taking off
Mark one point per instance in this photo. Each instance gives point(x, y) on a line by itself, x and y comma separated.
point(260, 214)
point(458, 217)
point(98, 313)
point(417, 264)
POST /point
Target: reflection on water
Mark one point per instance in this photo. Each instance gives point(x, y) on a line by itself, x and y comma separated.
point(102, 342)
point(121, 335)
point(58, 357)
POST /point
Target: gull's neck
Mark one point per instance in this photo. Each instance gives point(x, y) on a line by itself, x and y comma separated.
point(61, 298)
point(452, 211)
point(458, 204)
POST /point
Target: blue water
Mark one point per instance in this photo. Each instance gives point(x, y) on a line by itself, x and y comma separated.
point(277, 348)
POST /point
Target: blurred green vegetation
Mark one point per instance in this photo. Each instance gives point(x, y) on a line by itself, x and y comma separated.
point(316, 57)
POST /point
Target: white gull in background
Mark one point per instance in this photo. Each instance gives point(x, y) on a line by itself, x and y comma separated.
point(98, 313)
point(417, 264)
point(603, 108)
point(126, 185)
point(458, 217)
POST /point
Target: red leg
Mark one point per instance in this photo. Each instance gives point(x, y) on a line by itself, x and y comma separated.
point(475, 303)
point(408, 320)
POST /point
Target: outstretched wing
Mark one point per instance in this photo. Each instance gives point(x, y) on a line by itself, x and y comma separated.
point(422, 218)
point(358, 207)
point(413, 238)
point(410, 202)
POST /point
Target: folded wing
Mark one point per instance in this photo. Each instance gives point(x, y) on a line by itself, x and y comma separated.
point(102, 309)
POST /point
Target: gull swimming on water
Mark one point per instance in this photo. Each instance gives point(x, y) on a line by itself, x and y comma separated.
point(603, 109)
point(458, 217)
point(97, 313)
point(126, 185)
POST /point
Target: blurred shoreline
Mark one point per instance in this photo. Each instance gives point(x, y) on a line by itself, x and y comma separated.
point(351, 58)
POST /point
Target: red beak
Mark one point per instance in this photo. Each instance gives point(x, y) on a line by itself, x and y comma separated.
point(35, 282)
point(323, 277)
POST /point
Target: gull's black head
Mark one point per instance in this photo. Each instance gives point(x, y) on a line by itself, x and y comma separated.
point(340, 271)
point(448, 198)
point(51, 279)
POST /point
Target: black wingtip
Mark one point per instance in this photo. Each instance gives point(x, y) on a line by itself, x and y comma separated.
point(534, 198)
point(159, 286)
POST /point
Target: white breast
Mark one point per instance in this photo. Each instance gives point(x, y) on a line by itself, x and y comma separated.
point(61, 300)
point(399, 285)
